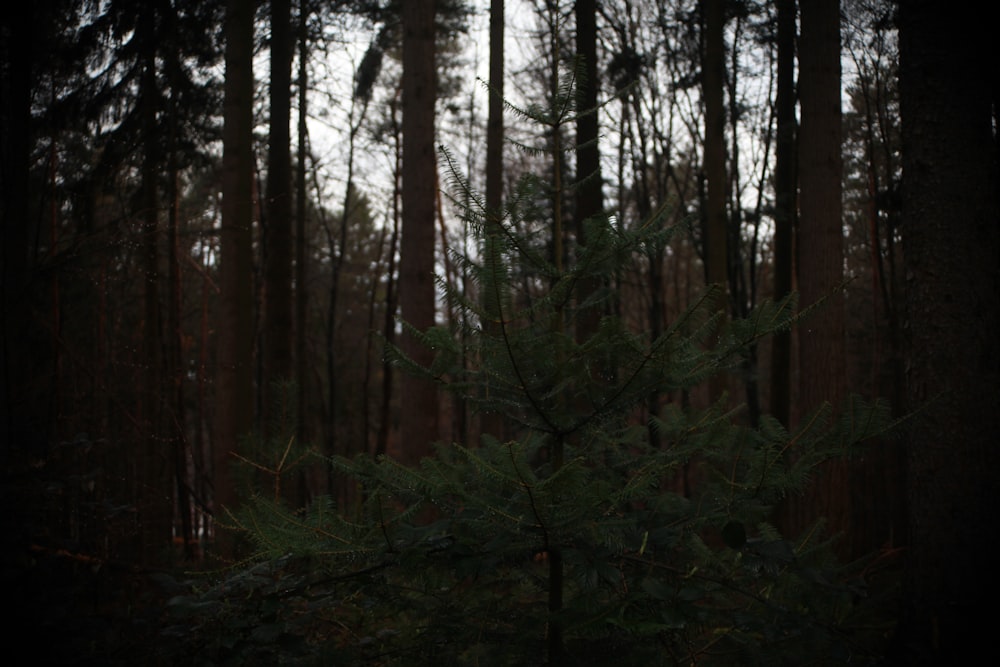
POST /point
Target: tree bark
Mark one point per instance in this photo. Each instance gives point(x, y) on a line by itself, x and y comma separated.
point(820, 246)
point(155, 491)
point(419, 419)
point(820, 237)
point(589, 197)
point(951, 249)
point(713, 85)
point(234, 363)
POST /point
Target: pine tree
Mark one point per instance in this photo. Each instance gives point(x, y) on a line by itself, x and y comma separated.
point(567, 543)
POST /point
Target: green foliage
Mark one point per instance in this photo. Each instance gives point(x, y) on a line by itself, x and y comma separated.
point(576, 541)
point(449, 563)
point(268, 461)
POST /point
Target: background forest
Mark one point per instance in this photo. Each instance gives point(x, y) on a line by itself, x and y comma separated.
point(464, 272)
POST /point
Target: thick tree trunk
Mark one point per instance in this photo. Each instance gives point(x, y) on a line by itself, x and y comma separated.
point(820, 266)
point(234, 363)
point(952, 267)
point(419, 418)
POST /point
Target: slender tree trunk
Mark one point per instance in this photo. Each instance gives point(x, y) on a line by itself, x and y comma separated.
point(301, 354)
point(234, 399)
point(742, 262)
point(951, 246)
point(419, 418)
point(589, 195)
point(882, 523)
point(494, 123)
point(555, 650)
point(343, 489)
point(156, 491)
point(177, 417)
point(492, 422)
point(389, 326)
point(713, 85)
point(784, 206)
point(277, 250)
point(301, 268)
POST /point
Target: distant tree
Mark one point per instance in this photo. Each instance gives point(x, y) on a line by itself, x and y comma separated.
point(342, 240)
point(873, 260)
point(951, 246)
point(109, 144)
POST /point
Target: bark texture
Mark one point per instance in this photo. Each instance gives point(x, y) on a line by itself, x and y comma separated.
point(419, 418)
point(952, 262)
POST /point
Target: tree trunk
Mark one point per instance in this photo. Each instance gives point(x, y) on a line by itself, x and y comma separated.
point(419, 419)
point(493, 300)
point(391, 290)
point(713, 83)
point(589, 198)
point(156, 459)
point(175, 364)
point(301, 269)
point(785, 200)
point(234, 363)
point(277, 334)
point(951, 249)
point(820, 272)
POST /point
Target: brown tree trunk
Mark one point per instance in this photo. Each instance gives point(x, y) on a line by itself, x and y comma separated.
point(234, 363)
point(951, 246)
point(419, 419)
point(713, 84)
point(820, 247)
